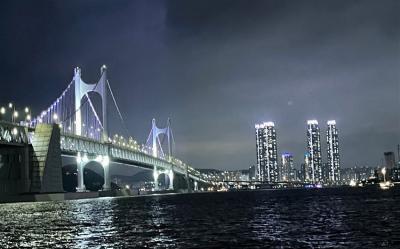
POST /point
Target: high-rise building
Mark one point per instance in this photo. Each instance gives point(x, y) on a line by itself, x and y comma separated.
point(332, 139)
point(306, 167)
point(390, 159)
point(303, 172)
point(325, 172)
point(314, 151)
point(287, 168)
point(267, 155)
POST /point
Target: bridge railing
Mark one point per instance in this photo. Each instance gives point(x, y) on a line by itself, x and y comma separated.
point(70, 142)
point(131, 144)
point(13, 133)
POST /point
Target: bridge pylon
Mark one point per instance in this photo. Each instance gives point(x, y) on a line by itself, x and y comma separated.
point(83, 89)
point(154, 142)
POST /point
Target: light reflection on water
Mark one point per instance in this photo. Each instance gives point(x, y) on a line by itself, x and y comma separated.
point(278, 219)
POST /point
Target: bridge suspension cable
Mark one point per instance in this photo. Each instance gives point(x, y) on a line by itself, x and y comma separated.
point(63, 112)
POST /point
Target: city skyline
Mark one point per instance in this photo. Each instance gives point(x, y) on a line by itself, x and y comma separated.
point(211, 65)
point(320, 167)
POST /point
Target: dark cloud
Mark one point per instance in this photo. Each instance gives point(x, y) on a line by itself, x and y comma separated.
point(218, 67)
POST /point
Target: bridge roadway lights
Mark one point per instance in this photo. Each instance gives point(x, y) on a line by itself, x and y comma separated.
point(81, 163)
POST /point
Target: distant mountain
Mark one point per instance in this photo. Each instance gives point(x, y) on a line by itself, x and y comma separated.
point(92, 180)
point(209, 170)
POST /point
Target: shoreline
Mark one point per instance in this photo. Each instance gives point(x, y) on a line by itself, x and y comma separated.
point(49, 197)
point(65, 196)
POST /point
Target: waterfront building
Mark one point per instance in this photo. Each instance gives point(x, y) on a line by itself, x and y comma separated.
point(357, 174)
point(395, 174)
point(325, 172)
point(390, 159)
point(287, 173)
point(267, 155)
point(304, 170)
point(301, 173)
point(314, 151)
point(252, 173)
point(307, 167)
point(332, 139)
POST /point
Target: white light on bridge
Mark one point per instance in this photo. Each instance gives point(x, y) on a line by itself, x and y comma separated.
point(14, 131)
point(78, 158)
point(85, 159)
point(55, 116)
point(99, 158)
point(3, 110)
point(106, 161)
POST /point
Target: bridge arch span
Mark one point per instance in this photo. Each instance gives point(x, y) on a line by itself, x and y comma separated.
point(163, 176)
point(83, 160)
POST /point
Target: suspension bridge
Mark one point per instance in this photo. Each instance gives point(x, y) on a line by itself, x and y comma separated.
point(72, 126)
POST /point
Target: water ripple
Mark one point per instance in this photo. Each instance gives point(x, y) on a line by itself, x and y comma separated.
point(341, 218)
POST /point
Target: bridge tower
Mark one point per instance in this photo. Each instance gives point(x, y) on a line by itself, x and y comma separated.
point(157, 151)
point(82, 89)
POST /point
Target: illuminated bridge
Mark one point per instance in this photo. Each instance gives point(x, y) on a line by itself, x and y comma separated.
point(73, 126)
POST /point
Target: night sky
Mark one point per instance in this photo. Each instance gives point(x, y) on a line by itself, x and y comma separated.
point(217, 68)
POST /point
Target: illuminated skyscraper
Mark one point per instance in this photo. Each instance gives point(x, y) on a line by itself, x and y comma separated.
point(287, 169)
point(306, 168)
point(267, 155)
point(314, 151)
point(332, 140)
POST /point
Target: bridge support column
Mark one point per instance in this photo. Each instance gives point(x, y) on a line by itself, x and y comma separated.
point(155, 176)
point(196, 187)
point(106, 168)
point(171, 179)
point(80, 165)
point(189, 188)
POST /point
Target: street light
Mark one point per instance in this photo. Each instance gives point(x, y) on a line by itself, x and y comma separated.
point(384, 174)
point(2, 112)
point(14, 116)
point(26, 110)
